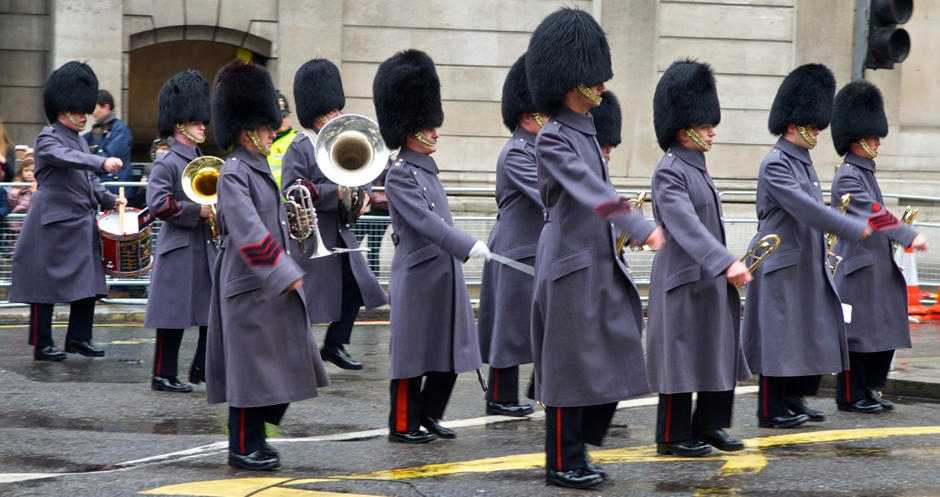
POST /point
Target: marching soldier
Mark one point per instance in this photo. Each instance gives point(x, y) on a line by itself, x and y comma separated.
point(607, 122)
point(868, 279)
point(58, 253)
point(693, 337)
point(181, 282)
point(318, 94)
point(285, 136)
point(433, 337)
point(506, 294)
point(793, 328)
point(587, 317)
point(261, 351)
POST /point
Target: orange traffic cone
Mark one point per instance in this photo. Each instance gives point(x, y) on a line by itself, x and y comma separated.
point(908, 266)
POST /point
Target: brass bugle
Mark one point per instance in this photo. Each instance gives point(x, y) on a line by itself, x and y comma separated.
point(763, 248)
point(634, 203)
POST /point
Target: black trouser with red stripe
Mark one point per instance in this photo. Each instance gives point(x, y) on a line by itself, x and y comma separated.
point(867, 370)
point(410, 401)
point(675, 421)
point(81, 319)
point(773, 391)
point(504, 385)
point(246, 426)
point(567, 429)
point(166, 352)
point(338, 332)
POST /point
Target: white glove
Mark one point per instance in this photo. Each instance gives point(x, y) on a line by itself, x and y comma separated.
point(480, 250)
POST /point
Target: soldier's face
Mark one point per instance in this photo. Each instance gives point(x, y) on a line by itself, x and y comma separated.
point(266, 134)
point(196, 128)
point(77, 121)
point(430, 135)
point(873, 143)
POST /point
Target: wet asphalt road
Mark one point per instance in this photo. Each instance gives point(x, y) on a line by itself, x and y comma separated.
point(87, 423)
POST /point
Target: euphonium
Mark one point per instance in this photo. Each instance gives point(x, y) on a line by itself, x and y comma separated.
point(908, 219)
point(634, 203)
point(831, 237)
point(351, 153)
point(302, 219)
point(199, 179)
point(761, 250)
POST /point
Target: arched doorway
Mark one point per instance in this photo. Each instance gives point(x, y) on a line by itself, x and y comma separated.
point(148, 69)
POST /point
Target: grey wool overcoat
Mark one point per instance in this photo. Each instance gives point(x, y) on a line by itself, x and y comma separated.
point(868, 278)
point(181, 280)
point(506, 294)
point(58, 253)
point(431, 318)
point(261, 350)
point(693, 340)
point(586, 318)
point(793, 323)
point(325, 274)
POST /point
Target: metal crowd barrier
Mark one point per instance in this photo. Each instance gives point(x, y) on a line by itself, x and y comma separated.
point(374, 232)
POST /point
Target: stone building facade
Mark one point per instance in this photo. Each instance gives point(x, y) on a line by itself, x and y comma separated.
point(134, 45)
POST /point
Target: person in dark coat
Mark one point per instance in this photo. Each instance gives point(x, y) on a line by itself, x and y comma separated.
point(110, 137)
point(261, 354)
point(433, 337)
point(608, 121)
point(868, 278)
point(58, 253)
point(505, 293)
point(181, 282)
point(793, 327)
point(693, 340)
point(337, 285)
point(586, 318)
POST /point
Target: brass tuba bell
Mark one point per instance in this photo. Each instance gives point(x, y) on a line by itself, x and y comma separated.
point(199, 179)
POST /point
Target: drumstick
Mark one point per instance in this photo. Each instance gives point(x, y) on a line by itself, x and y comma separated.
point(121, 210)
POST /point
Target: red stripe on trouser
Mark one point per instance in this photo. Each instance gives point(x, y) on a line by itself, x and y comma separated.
point(495, 385)
point(558, 438)
point(160, 354)
point(848, 388)
point(668, 416)
point(241, 431)
point(764, 396)
point(401, 406)
point(36, 324)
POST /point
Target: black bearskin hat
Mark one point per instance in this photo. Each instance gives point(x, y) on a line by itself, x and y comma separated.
point(516, 98)
point(243, 98)
point(607, 120)
point(858, 112)
point(567, 48)
point(804, 97)
point(685, 95)
point(73, 87)
point(318, 89)
point(184, 97)
point(407, 96)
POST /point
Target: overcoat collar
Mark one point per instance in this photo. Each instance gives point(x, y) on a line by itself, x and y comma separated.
point(799, 153)
point(581, 122)
point(423, 161)
point(523, 134)
point(185, 151)
point(255, 160)
point(694, 158)
point(860, 161)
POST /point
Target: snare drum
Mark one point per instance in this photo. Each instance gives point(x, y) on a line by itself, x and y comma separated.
point(124, 255)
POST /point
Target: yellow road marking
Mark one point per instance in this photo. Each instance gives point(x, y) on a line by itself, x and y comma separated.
point(256, 487)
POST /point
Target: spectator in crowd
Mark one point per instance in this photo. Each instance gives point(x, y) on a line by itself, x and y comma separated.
point(7, 153)
point(110, 137)
point(18, 201)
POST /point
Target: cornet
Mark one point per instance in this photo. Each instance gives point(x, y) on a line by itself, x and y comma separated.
point(833, 260)
point(199, 180)
point(302, 220)
point(761, 250)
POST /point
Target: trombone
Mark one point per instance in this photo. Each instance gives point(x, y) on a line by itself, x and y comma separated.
point(761, 250)
point(634, 203)
point(831, 237)
point(199, 180)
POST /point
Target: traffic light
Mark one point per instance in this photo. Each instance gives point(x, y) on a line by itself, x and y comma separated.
point(887, 43)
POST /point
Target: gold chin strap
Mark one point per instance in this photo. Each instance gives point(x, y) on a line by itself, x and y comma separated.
point(584, 90)
point(419, 135)
point(809, 139)
point(68, 115)
point(253, 135)
point(187, 134)
point(538, 118)
point(323, 119)
point(691, 133)
point(864, 144)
